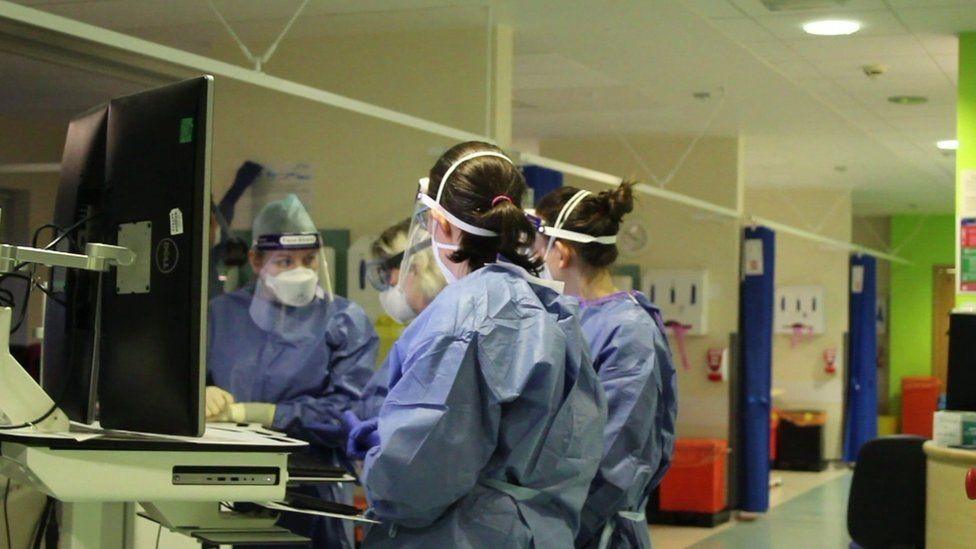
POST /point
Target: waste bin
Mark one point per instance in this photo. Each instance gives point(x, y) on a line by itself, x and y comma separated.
point(800, 440)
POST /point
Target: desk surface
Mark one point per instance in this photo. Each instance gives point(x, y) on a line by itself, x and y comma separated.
point(218, 438)
point(945, 454)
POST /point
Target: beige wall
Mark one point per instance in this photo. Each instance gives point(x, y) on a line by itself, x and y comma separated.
point(875, 232)
point(680, 238)
point(442, 77)
point(30, 139)
point(798, 370)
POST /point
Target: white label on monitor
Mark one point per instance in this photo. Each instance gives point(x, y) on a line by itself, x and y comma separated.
point(175, 222)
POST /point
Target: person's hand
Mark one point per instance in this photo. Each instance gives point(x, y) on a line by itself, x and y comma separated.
point(362, 437)
point(252, 412)
point(218, 404)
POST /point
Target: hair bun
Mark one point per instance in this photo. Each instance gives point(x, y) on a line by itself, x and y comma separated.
point(620, 201)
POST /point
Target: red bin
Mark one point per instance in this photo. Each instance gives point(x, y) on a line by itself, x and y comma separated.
point(696, 480)
point(919, 400)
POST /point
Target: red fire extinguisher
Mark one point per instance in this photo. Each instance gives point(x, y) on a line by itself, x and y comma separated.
point(717, 364)
point(830, 360)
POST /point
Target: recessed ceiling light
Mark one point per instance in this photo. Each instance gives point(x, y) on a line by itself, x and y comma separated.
point(948, 144)
point(832, 27)
point(908, 99)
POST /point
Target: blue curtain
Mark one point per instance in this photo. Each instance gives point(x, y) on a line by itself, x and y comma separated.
point(542, 181)
point(755, 368)
point(861, 422)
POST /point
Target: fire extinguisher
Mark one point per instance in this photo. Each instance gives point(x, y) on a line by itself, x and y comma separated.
point(718, 361)
point(830, 360)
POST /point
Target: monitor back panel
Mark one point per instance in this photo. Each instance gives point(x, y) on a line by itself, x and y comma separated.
point(153, 346)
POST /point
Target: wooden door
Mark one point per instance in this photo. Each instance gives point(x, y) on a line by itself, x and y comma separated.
point(943, 300)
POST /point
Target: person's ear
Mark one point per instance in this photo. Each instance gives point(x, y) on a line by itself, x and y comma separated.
point(256, 261)
point(450, 233)
point(566, 254)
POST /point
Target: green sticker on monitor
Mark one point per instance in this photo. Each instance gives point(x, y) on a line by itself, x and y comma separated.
point(186, 130)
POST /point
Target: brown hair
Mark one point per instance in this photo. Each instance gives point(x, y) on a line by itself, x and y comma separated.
point(486, 192)
point(596, 215)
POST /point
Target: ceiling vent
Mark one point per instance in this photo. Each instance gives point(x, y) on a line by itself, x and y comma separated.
point(802, 5)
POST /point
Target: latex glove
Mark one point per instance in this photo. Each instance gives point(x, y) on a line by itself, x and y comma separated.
point(218, 402)
point(252, 412)
point(337, 431)
point(362, 437)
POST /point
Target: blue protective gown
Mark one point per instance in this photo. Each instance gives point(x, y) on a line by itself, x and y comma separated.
point(311, 362)
point(375, 393)
point(632, 359)
point(492, 428)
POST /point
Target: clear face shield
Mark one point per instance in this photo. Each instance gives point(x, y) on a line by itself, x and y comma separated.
point(417, 280)
point(293, 284)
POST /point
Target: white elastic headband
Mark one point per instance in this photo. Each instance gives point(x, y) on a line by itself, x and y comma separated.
point(556, 230)
point(435, 203)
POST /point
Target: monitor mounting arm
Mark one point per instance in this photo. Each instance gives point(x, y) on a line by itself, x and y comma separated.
point(22, 400)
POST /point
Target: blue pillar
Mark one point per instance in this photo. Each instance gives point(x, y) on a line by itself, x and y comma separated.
point(861, 422)
point(755, 368)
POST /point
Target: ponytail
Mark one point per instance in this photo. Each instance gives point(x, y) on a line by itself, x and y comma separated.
point(596, 215)
point(486, 192)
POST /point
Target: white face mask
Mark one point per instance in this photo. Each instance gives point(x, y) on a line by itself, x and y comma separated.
point(294, 287)
point(395, 303)
point(449, 275)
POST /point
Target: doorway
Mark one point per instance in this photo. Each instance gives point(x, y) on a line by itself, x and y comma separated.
point(943, 300)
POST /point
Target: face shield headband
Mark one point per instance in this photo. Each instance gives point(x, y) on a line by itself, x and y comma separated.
point(435, 202)
point(556, 231)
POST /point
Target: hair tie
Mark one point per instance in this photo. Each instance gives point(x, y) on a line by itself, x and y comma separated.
point(501, 198)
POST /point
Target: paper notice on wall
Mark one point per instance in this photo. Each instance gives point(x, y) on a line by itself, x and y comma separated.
point(968, 206)
point(752, 257)
point(967, 254)
point(857, 279)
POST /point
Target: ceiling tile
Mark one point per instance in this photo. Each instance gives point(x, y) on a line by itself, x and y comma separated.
point(899, 4)
point(949, 64)
point(547, 71)
point(917, 67)
point(939, 44)
point(946, 20)
point(744, 30)
point(712, 8)
point(757, 9)
point(863, 48)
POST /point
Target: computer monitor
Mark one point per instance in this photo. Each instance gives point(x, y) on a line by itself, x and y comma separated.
point(961, 374)
point(69, 371)
point(153, 313)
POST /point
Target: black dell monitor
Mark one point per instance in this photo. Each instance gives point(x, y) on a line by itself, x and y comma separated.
point(69, 373)
point(153, 313)
point(129, 345)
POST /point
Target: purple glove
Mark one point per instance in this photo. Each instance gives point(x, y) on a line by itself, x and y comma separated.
point(362, 437)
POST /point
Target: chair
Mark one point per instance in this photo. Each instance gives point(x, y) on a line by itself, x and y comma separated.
point(886, 506)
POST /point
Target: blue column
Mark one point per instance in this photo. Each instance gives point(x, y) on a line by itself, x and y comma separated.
point(755, 368)
point(861, 422)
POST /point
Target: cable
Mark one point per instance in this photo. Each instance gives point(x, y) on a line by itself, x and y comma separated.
point(42, 523)
point(46, 415)
point(159, 532)
point(6, 515)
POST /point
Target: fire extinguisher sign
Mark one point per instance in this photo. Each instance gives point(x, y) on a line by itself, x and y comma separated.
point(967, 254)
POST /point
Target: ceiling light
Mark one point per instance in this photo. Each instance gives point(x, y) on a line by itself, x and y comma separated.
point(948, 144)
point(908, 99)
point(832, 27)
